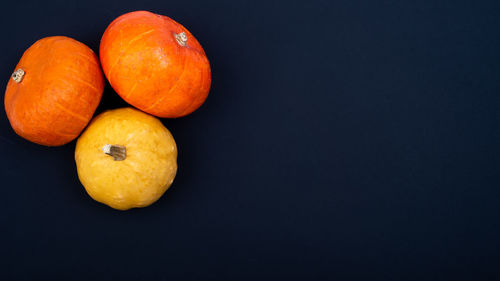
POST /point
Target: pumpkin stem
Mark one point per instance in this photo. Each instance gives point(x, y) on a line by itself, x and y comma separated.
point(119, 152)
point(181, 38)
point(18, 75)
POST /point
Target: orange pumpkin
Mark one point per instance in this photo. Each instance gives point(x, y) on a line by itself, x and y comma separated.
point(155, 64)
point(54, 91)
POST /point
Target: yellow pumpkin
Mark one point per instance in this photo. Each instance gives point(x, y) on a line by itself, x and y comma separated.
point(126, 159)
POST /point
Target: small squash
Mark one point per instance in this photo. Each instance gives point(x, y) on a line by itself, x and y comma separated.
point(155, 64)
point(126, 158)
point(54, 91)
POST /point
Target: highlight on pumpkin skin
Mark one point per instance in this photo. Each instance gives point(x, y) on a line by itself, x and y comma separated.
point(126, 158)
point(54, 91)
point(178, 72)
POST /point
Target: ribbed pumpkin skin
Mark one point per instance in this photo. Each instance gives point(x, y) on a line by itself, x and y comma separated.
point(58, 94)
point(149, 69)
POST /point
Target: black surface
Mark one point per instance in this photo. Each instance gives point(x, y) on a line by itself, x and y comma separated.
point(341, 140)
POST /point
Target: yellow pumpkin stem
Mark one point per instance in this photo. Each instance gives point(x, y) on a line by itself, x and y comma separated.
point(119, 152)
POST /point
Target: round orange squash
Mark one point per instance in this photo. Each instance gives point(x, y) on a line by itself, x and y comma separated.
point(155, 64)
point(54, 91)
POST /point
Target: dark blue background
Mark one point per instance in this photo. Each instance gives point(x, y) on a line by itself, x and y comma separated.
point(341, 140)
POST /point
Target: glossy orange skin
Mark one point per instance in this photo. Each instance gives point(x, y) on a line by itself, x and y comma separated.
point(149, 69)
point(58, 94)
